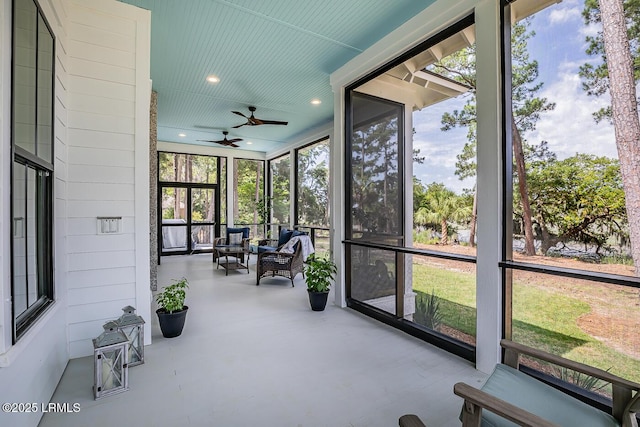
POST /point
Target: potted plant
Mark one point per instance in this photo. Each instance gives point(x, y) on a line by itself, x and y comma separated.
point(319, 274)
point(171, 309)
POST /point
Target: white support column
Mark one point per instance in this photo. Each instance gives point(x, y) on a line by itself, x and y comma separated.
point(490, 185)
point(337, 183)
point(292, 187)
point(409, 295)
point(141, 178)
point(230, 171)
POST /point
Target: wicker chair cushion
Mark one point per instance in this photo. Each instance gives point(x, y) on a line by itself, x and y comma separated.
point(285, 235)
point(243, 230)
point(235, 238)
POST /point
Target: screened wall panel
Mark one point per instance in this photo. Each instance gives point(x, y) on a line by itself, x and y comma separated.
point(280, 170)
point(312, 203)
point(375, 179)
point(190, 201)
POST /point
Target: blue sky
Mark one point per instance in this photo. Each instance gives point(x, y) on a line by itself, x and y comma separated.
point(558, 46)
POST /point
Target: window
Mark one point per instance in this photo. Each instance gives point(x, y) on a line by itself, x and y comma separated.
point(376, 175)
point(312, 201)
point(32, 171)
point(248, 190)
point(312, 193)
point(375, 198)
point(569, 247)
point(279, 173)
point(416, 272)
point(190, 200)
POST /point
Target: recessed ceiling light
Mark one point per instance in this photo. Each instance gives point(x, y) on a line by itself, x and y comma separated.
point(249, 142)
point(182, 135)
point(213, 79)
point(316, 101)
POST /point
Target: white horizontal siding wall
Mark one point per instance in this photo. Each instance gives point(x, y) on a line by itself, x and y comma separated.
point(31, 368)
point(108, 120)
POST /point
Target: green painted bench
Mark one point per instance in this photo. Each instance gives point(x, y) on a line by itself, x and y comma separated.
point(511, 398)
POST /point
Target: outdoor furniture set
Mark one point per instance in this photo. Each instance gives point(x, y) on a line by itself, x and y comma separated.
point(282, 257)
point(234, 249)
point(286, 259)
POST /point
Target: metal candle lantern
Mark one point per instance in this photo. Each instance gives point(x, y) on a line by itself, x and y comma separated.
point(110, 368)
point(133, 327)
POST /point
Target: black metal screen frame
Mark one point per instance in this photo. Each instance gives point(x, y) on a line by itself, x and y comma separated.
point(22, 322)
point(452, 345)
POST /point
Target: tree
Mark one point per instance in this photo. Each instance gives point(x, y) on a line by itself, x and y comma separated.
point(441, 205)
point(248, 190)
point(620, 80)
point(280, 198)
point(578, 199)
point(375, 177)
point(596, 76)
point(313, 185)
point(526, 110)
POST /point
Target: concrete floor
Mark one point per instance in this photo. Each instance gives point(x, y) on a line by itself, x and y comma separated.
point(258, 356)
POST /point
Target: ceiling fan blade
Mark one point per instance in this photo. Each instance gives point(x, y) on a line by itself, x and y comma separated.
point(207, 127)
point(205, 140)
point(233, 145)
point(273, 122)
point(235, 140)
point(254, 121)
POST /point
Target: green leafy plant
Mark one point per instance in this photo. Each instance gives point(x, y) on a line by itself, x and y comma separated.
point(428, 311)
point(319, 273)
point(171, 298)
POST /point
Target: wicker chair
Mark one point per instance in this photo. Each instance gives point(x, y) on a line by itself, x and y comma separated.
point(224, 241)
point(274, 263)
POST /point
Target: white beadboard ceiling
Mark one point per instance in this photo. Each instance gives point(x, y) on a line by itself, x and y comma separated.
point(276, 55)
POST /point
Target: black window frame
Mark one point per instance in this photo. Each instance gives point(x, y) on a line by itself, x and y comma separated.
point(449, 344)
point(235, 194)
point(296, 187)
point(188, 186)
point(23, 321)
point(507, 265)
point(269, 183)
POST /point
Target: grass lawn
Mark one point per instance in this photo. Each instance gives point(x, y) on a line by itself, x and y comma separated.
point(542, 318)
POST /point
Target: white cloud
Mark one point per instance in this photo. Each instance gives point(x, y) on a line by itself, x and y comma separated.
point(439, 148)
point(589, 30)
point(570, 127)
point(563, 15)
point(437, 153)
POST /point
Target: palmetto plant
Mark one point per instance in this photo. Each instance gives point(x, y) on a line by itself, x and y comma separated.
point(584, 381)
point(441, 205)
point(428, 310)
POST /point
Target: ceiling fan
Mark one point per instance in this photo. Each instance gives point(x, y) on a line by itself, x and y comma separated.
point(253, 121)
point(225, 141)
